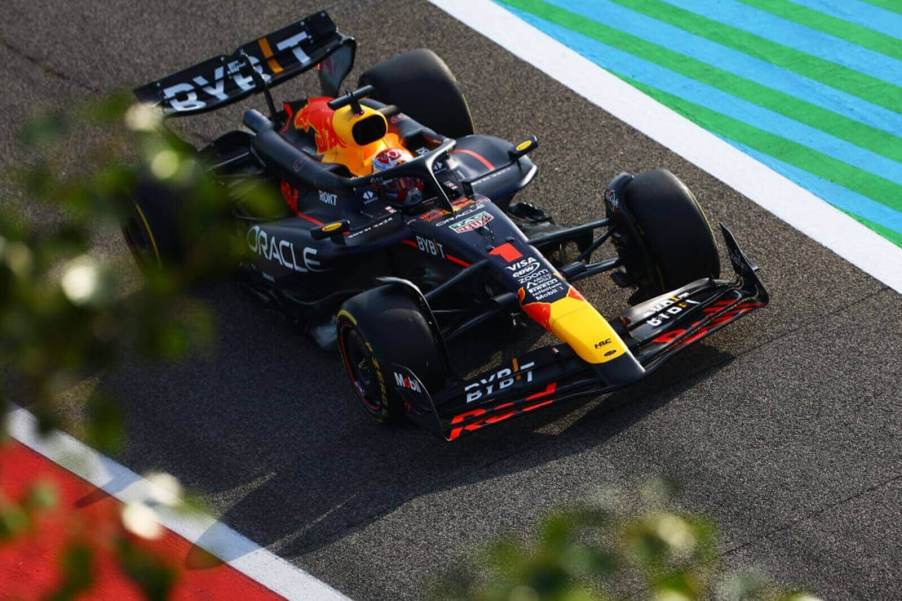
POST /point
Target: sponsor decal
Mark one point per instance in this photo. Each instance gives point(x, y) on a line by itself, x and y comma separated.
point(368, 195)
point(525, 267)
point(500, 380)
point(536, 279)
point(433, 215)
point(602, 343)
point(372, 227)
point(471, 223)
point(282, 252)
point(403, 381)
point(198, 93)
point(431, 247)
point(667, 309)
point(328, 198)
point(459, 211)
point(547, 289)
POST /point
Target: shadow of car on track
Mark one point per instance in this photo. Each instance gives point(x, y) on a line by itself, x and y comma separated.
point(266, 428)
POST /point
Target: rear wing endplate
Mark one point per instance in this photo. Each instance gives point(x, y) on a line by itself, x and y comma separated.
point(278, 57)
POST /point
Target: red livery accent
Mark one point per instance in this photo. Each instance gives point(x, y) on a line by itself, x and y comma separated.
point(455, 432)
point(549, 390)
point(506, 251)
point(671, 335)
point(574, 293)
point(289, 114)
point(538, 312)
point(312, 220)
point(450, 258)
point(475, 155)
point(500, 418)
point(318, 116)
point(290, 195)
point(457, 261)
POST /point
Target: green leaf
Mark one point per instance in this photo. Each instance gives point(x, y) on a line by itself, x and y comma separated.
point(104, 424)
point(150, 573)
point(77, 568)
point(44, 129)
point(41, 496)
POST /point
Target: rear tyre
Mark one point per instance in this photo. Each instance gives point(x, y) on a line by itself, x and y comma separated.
point(422, 86)
point(668, 241)
point(151, 227)
point(379, 328)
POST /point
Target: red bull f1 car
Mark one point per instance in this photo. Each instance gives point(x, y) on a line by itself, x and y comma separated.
point(401, 232)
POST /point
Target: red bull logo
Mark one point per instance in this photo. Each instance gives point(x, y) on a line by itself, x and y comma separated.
point(317, 116)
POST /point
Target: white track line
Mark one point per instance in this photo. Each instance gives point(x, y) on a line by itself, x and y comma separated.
point(216, 538)
point(793, 204)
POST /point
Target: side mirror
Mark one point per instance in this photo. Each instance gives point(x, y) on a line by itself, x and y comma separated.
point(525, 147)
point(334, 230)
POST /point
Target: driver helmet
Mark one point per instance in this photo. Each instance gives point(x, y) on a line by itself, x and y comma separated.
point(399, 188)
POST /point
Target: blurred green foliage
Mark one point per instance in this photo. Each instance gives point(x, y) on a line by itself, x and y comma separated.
point(636, 546)
point(69, 311)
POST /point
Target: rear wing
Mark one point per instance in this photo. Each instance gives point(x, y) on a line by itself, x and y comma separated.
point(277, 57)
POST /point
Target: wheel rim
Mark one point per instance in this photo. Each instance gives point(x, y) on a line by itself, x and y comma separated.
point(140, 240)
point(359, 365)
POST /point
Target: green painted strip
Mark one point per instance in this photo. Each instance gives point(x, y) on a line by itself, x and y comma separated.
point(840, 28)
point(890, 5)
point(894, 237)
point(821, 165)
point(837, 76)
point(835, 124)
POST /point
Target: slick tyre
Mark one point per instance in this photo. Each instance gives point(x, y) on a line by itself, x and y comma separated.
point(673, 234)
point(151, 226)
point(377, 329)
point(422, 86)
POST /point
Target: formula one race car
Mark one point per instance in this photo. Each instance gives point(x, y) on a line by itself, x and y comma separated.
point(400, 233)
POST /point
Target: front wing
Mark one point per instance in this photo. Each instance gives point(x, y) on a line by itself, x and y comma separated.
point(653, 330)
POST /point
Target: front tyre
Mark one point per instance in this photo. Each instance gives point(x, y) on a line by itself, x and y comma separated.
point(377, 329)
point(662, 235)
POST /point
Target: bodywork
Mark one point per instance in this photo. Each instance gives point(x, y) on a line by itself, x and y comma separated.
point(464, 249)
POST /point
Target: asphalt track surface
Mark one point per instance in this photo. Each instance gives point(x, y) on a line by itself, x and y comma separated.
point(785, 427)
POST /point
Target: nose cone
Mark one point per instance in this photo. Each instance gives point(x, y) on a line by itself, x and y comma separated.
point(576, 322)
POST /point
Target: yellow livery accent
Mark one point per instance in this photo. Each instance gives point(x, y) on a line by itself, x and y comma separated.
point(332, 227)
point(358, 159)
point(267, 54)
point(576, 322)
point(351, 318)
